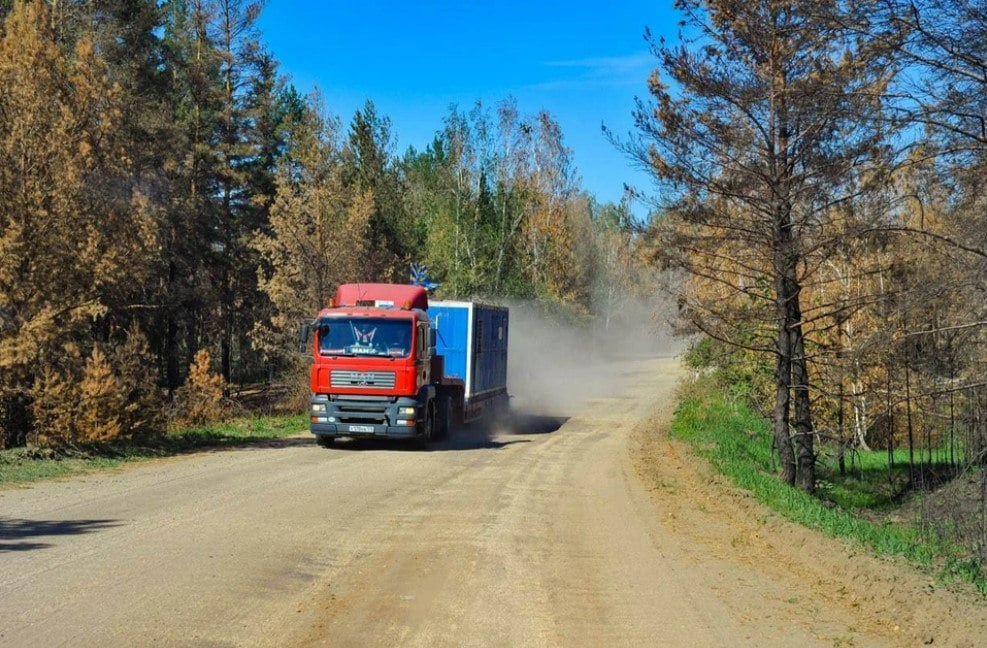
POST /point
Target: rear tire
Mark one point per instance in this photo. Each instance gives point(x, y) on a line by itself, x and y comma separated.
point(446, 420)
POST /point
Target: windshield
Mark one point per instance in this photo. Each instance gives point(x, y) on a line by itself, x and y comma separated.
point(364, 336)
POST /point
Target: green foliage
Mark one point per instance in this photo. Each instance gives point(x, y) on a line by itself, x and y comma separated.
point(703, 354)
point(743, 373)
point(870, 481)
point(737, 442)
point(368, 165)
point(497, 209)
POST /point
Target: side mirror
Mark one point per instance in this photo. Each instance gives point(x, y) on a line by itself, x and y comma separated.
point(304, 334)
point(431, 342)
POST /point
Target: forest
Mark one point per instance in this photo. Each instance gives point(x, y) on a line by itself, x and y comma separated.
point(171, 208)
point(821, 167)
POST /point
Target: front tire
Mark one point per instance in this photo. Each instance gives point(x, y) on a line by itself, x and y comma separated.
point(427, 430)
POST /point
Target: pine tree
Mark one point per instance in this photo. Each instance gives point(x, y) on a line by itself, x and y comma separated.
point(772, 124)
point(318, 232)
point(368, 160)
point(71, 231)
point(201, 400)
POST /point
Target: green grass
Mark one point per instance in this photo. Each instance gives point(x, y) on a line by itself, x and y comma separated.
point(737, 442)
point(25, 465)
point(869, 483)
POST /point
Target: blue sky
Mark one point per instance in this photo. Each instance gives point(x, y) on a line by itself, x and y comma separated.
point(583, 62)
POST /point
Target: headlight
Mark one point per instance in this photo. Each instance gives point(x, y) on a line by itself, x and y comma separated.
point(318, 408)
point(406, 411)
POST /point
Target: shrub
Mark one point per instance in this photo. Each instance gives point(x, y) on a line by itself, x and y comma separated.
point(54, 402)
point(72, 405)
point(101, 402)
point(138, 375)
point(201, 399)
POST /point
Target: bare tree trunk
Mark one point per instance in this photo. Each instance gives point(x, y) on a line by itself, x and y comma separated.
point(908, 419)
point(792, 371)
point(890, 417)
point(841, 430)
point(782, 409)
point(171, 355)
point(952, 415)
point(804, 434)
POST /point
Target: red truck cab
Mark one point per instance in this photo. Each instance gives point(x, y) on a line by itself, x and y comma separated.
point(374, 371)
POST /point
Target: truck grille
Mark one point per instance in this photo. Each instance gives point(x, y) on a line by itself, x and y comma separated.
point(362, 379)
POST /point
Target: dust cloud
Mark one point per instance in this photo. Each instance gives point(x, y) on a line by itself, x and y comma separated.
point(556, 368)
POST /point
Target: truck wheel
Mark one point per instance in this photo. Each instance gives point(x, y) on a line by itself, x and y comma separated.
point(325, 441)
point(445, 420)
point(428, 427)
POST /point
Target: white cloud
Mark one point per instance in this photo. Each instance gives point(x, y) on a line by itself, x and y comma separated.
point(609, 64)
point(604, 71)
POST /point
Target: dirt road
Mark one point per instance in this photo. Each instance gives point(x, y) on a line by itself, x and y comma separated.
point(531, 537)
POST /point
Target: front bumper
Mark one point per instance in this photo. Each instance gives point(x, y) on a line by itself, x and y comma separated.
point(355, 416)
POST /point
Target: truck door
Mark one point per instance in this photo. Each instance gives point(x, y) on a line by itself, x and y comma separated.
point(423, 363)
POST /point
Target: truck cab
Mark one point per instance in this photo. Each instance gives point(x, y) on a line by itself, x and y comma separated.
point(374, 368)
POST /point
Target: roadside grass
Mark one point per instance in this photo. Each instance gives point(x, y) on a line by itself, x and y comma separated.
point(25, 465)
point(870, 485)
point(723, 429)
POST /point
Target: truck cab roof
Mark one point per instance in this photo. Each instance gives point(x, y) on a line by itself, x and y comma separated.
point(382, 295)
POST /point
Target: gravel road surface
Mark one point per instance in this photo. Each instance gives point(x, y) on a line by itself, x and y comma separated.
point(540, 534)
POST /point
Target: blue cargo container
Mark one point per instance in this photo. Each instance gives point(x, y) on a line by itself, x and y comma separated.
point(473, 340)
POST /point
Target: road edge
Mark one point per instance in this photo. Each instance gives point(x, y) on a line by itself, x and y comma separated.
point(886, 596)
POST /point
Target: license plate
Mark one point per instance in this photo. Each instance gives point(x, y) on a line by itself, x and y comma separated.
point(361, 428)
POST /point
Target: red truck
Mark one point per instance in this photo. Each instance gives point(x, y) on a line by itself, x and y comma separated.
point(386, 364)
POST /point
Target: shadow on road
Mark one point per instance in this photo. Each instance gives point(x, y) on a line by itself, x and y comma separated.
point(456, 442)
point(495, 434)
point(522, 423)
point(467, 440)
point(20, 530)
point(264, 443)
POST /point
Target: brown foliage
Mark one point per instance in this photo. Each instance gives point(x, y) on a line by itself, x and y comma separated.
point(100, 401)
point(318, 233)
point(108, 397)
point(137, 374)
point(769, 128)
point(54, 406)
point(201, 400)
point(68, 234)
